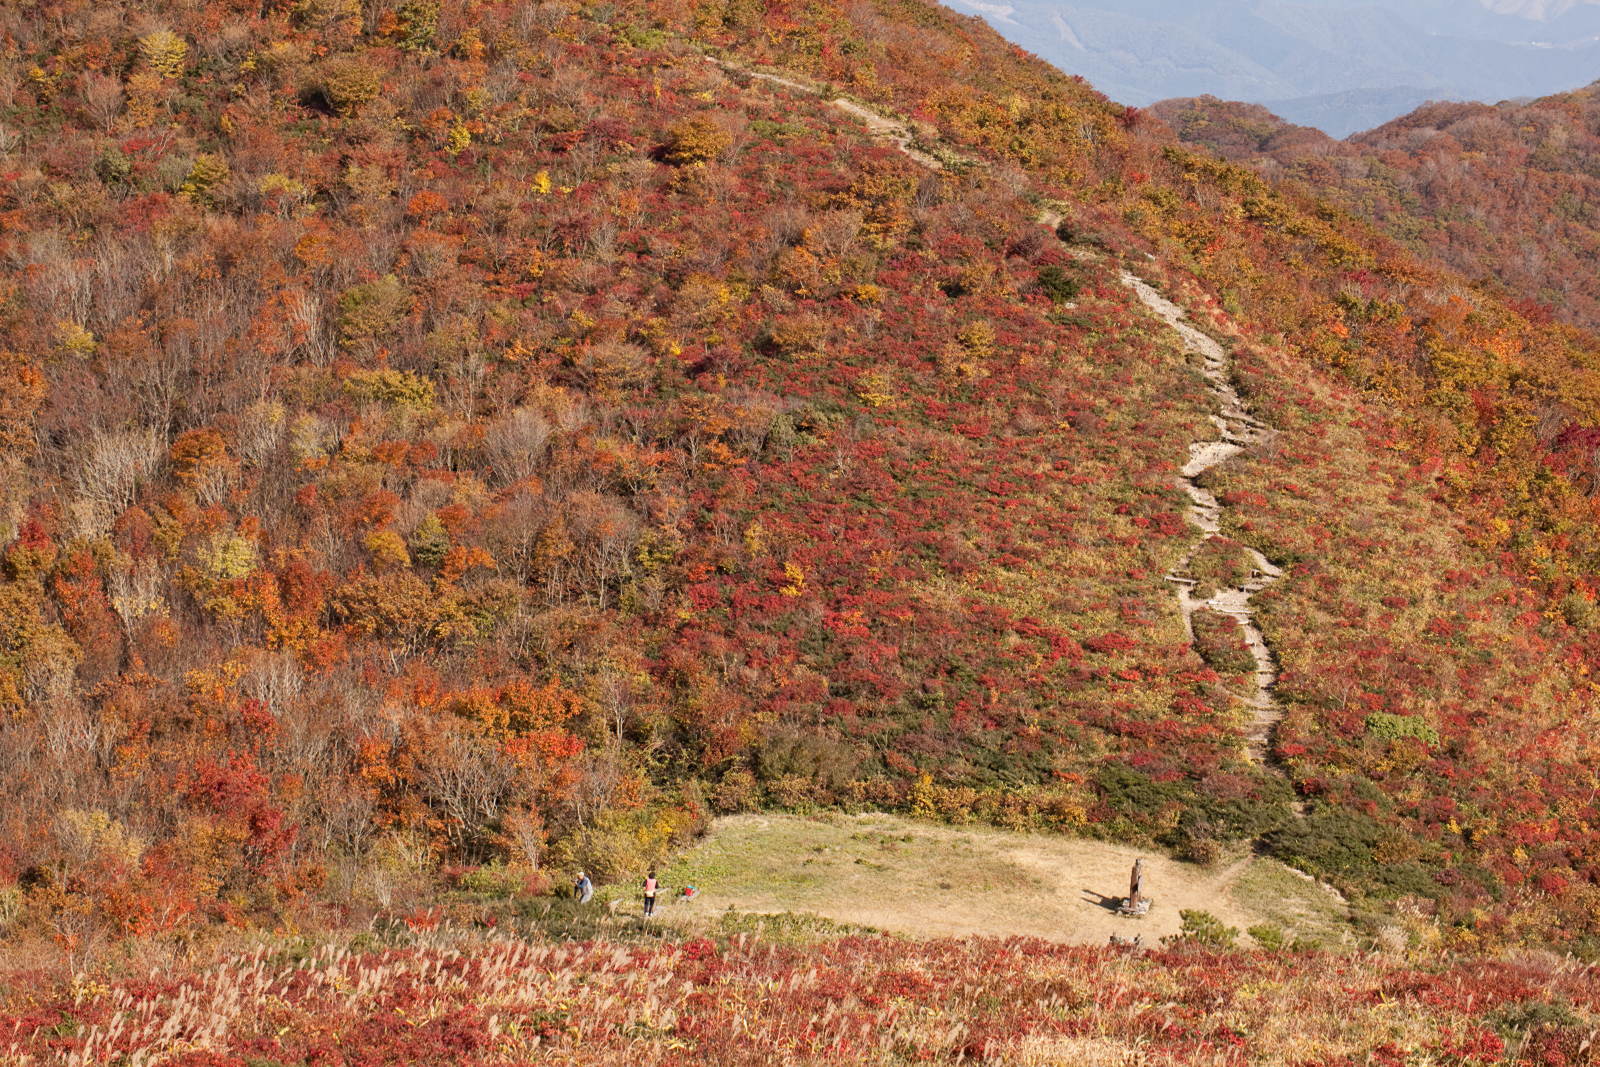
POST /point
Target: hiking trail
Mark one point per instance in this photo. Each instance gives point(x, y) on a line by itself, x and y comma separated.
point(877, 124)
point(1237, 431)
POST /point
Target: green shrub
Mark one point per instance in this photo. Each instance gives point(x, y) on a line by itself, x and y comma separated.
point(642, 37)
point(430, 541)
point(1525, 1018)
point(1058, 285)
point(113, 167)
point(1195, 840)
point(785, 754)
point(1408, 879)
point(1580, 611)
point(1225, 818)
point(1269, 937)
point(495, 880)
point(1329, 842)
point(417, 23)
point(735, 793)
point(1382, 725)
point(1220, 563)
point(1203, 928)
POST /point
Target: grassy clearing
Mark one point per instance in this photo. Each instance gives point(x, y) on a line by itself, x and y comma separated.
point(1292, 902)
point(894, 874)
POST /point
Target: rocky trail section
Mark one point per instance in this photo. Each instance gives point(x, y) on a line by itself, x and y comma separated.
point(1237, 431)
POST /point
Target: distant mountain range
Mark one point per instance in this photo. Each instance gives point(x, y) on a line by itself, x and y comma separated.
point(1509, 192)
point(1334, 64)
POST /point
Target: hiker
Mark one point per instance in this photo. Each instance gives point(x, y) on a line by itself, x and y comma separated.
point(650, 894)
point(583, 889)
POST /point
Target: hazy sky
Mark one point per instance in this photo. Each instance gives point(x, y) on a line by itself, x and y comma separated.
point(1342, 65)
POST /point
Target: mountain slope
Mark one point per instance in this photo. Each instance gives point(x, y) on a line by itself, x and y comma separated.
point(464, 444)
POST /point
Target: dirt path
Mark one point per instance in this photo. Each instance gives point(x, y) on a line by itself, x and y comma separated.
point(1237, 431)
point(877, 124)
point(929, 880)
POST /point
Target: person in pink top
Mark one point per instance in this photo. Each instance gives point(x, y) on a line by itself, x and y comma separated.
point(650, 894)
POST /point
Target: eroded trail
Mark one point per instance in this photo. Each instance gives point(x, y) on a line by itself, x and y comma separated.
point(1237, 431)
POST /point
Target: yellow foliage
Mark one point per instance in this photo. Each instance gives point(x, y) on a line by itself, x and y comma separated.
point(924, 801)
point(208, 172)
point(347, 83)
point(469, 45)
point(370, 310)
point(226, 556)
point(755, 538)
point(977, 337)
point(281, 185)
point(93, 835)
point(798, 334)
point(796, 579)
point(695, 140)
point(145, 92)
point(873, 390)
point(387, 549)
point(75, 338)
point(164, 53)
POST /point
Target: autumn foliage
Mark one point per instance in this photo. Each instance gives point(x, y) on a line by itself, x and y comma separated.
point(858, 1000)
point(489, 435)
